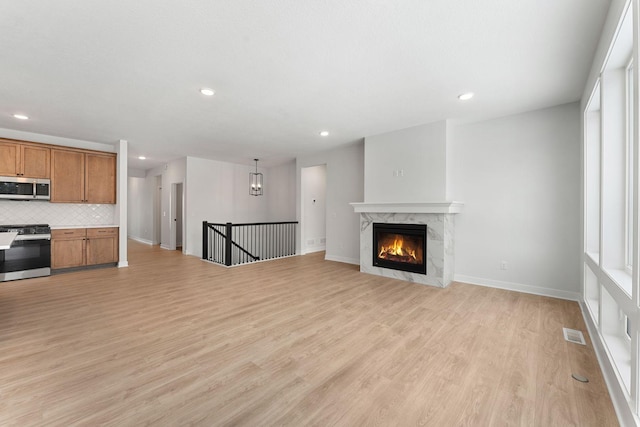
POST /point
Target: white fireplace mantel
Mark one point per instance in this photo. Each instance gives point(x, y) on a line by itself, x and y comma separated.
point(427, 207)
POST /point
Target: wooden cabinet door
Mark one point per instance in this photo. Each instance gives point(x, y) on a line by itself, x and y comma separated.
point(102, 250)
point(35, 161)
point(67, 253)
point(67, 176)
point(100, 178)
point(9, 163)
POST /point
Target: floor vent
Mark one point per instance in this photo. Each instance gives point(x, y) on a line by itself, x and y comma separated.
point(573, 336)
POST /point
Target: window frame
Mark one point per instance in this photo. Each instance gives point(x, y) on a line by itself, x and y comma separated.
point(629, 164)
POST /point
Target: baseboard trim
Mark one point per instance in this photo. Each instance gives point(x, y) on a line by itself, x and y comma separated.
point(141, 240)
point(314, 249)
point(618, 396)
point(518, 287)
point(342, 259)
point(165, 247)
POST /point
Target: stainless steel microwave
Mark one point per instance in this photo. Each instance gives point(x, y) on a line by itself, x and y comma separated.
point(19, 188)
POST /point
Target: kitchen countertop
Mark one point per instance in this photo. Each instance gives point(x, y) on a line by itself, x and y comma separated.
point(6, 238)
point(59, 227)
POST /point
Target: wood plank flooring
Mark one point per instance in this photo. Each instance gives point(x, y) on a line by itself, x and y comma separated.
point(174, 341)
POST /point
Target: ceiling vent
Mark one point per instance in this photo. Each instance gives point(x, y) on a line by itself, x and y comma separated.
point(573, 336)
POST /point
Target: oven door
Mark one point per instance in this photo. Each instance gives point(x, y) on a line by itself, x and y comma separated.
point(26, 258)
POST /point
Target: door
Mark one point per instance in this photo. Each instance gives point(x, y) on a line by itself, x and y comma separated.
point(179, 216)
point(176, 219)
point(26, 255)
point(157, 211)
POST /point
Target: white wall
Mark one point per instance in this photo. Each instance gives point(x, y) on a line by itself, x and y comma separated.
point(407, 165)
point(139, 222)
point(314, 210)
point(280, 191)
point(519, 179)
point(345, 184)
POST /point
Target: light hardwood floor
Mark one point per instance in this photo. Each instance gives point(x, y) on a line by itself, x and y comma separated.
point(175, 341)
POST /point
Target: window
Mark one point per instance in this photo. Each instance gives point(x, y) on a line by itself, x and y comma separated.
point(629, 170)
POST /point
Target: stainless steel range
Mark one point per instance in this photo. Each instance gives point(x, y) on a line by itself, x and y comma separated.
point(29, 254)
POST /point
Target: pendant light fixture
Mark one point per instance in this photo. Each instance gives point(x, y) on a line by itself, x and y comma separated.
point(255, 181)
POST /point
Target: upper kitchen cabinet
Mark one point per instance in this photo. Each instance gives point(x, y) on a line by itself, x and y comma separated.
point(67, 176)
point(83, 177)
point(100, 178)
point(29, 161)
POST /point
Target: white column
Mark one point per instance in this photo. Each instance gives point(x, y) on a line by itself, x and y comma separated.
point(121, 201)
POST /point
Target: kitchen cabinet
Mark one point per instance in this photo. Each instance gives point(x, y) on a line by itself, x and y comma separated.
point(100, 178)
point(81, 177)
point(102, 245)
point(27, 160)
point(68, 248)
point(77, 247)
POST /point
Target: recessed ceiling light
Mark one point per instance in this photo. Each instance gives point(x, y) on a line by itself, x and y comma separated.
point(206, 91)
point(465, 96)
point(21, 116)
point(142, 157)
point(324, 133)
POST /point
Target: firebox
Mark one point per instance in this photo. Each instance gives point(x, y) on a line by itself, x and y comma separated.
point(400, 247)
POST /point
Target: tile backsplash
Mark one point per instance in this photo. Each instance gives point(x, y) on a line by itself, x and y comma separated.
point(55, 214)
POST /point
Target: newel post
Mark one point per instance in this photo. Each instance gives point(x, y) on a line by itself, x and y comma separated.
point(227, 245)
point(205, 240)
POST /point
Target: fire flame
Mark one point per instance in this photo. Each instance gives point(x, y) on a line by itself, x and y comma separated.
point(396, 249)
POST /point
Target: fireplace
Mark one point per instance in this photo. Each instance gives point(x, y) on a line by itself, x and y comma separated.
point(437, 222)
point(400, 247)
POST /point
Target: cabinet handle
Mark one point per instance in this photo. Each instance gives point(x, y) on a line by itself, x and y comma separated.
point(68, 232)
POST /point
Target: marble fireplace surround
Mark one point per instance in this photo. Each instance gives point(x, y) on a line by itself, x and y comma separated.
point(439, 218)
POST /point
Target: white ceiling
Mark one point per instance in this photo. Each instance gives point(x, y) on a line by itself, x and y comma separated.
point(283, 70)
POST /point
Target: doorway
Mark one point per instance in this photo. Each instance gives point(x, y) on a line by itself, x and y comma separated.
point(313, 210)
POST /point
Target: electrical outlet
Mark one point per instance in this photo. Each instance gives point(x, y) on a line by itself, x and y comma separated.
point(504, 265)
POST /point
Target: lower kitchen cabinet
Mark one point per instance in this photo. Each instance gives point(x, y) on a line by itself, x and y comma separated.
point(102, 245)
point(77, 247)
point(68, 247)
